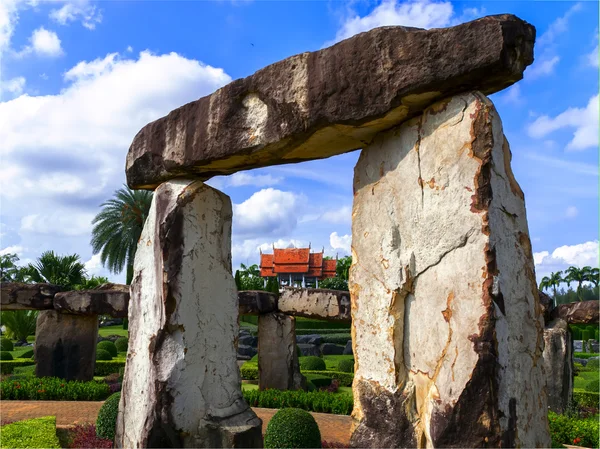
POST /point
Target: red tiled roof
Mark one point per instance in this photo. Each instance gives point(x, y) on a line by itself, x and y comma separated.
point(296, 260)
point(291, 255)
point(329, 268)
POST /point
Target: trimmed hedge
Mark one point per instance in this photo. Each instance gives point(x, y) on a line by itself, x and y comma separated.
point(344, 379)
point(319, 381)
point(121, 344)
point(593, 386)
point(26, 355)
point(107, 417)
point(52, 389)
point(292, 428)
point(103, 354)
point(565, 429)
point(106, 367)
point(31, 433)
point(309, 323)
point(346, 366)
point(5, 355)
point(313, 401)
point(586, 398)
point(585, 355)
point(593, 364)
point(312, 363)
point(321, 331)
point(337, 339)
point(249, 371)
point(7, 366)
point(6, 345)
point(109, 347)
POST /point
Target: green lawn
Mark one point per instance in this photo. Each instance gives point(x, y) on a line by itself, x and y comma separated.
point(341, 390)
point(582, 379)
point(20, 350)
point(331, 361)
point(113, 330)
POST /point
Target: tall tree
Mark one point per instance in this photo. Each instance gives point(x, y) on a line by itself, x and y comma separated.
point(552, 281)
point(579, 275)
point(8, 267)
point(118, 227)
point(342, 267)
point(594, 276)
point(64, 271)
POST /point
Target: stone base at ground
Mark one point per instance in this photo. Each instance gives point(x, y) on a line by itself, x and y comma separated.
point(65, 345)
point(447, 325)
point(558, 365)
point(182, 384)
point(278, 365)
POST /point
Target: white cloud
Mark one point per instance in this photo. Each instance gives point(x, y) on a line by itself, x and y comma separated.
point(15, 249)
point(248, 251)
point(81, 10)
point(580, 255)
point(571, 212)
point(60, 222)
point(420, 14)
point(342, 215)
point(240, 179)
point(580, 168)
point(8, 19)
point(268, 211)
point(42, 42)
point(513, 95)
point(541, 67)
point(584, 120)
point(343, 242)
point(592, 58)
point(14, 86)
point(558, 27)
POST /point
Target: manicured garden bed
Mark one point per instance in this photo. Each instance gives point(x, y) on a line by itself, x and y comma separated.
point(32, 433)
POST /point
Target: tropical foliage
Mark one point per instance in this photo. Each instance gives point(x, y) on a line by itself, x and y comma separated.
point(65, 271)
point(19, 324)
point(118, 227)
point(572, 275)
point(248, 278)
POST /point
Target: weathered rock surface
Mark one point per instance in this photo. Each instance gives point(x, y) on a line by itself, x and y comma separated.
point(311, 339)
point(65, 345)
point(584, 312)
point(331, 349)
point(182, 382)
point(323, 304)
point(315, 105)
point(558, 365)
point(246, 351)
point(447, 325)
point(309, 349)
point(109, 299)
point(278, 366)
point(348, 348)
point(256, 302)
point(547, 304)
point(18, 296)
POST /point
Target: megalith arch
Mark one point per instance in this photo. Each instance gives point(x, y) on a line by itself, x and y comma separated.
point(447, 324)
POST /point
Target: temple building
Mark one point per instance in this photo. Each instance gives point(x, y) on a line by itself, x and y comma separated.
point(296, 267)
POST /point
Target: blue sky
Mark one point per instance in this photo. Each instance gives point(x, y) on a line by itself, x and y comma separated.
point(78, 79)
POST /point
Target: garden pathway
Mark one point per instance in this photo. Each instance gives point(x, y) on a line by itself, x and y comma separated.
point(334, 428)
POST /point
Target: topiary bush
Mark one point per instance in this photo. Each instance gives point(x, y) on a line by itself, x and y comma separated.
point(592, 364)
point(121, 344)
point(346, 366)
point(108, 346)
point(254, 358)
point(312, 363)
point(107, 417)
point(593, 386)
point(6, 345)
point(318, 380)
point(102, 354)
point(5, 355)
point(292, 428)
point(27, 354)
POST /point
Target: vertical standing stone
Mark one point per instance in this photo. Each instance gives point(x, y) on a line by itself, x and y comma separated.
point(558, 362)
point(65, 345)
point(182, 385)
point(445, 311)
point(278, 366)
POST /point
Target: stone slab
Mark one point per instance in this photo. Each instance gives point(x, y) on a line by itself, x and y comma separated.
point(255, 302)
point(182, 385)
point(558, 365)
point(319, 104)
point(19, 296)
point(447, 325)
point(65, 345)
point(584, 312)
point(322, 304)
point(109, 299)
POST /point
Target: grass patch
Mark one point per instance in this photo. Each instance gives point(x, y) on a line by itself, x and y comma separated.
point(585, 355)
point(583, 378)
point(331, 361)
point(248, 387)
point(32, 433)
point(117, 329)
point(21, 350)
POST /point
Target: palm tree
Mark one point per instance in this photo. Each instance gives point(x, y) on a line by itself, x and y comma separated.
point(342, 267)
point(91, 283)
point(552, 281)
point(594, 276)
point(118, 228)
point(251, 271)
point(64, 271)
point(19, 323)
point(579, 275)
point(8, 268)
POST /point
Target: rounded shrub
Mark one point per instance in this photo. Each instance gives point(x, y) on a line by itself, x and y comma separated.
point(312, 363)
point(254, 358)
point(310, 386)
point(593, 363)
point(5, 355)
point(593, 386)
point(6, 345)
point(122, 344)
point(586, 335)
point(292, 428)
point(108, 346)
point(107, 417)
point(346, 366)
point(27, 354)
point(103, 354)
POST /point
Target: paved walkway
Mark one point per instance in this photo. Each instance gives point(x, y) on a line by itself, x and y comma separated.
point(334, 428)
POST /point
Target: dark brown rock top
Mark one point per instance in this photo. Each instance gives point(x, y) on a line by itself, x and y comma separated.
point(585, 312)
point(18, 296)
point(331, 101)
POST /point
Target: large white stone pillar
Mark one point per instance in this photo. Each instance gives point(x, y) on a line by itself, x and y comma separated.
point(447, 330)
point(182, 385)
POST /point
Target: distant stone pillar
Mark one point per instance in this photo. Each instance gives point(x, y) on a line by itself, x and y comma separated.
point(65, 345)
point(182, 385)
point(558, 362)
point(447, 326)
point(278, 366)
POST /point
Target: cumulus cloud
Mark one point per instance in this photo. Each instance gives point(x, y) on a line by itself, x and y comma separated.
point(419, 14)
point(65, 223)
point(580, 255)
point(592, 58)
point(13, 86)
point(584, 120)
point(80, 10)
point(42, 42)
point(343, 215)
point(240, 179)
point(541, 67)
point(342, 242)
point(14, 249)
point(558, 27)
point(267, 212)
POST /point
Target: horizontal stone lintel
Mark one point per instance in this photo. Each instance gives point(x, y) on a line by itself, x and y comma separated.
point(318, 104)
point(112, 299)
point(19, 296)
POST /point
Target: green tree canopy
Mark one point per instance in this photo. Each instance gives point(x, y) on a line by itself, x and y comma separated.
point(64, 271)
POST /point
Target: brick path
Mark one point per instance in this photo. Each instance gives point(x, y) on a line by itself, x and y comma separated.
point(333, 427)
